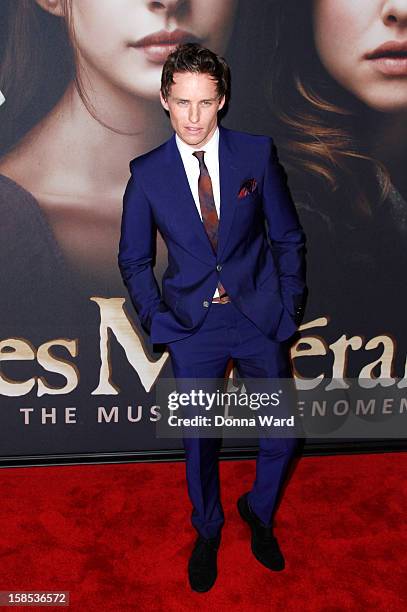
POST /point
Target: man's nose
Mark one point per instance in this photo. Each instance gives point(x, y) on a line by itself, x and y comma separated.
point(194, 114)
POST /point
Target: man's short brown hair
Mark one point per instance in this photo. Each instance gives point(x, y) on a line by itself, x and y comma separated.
point(192, 57)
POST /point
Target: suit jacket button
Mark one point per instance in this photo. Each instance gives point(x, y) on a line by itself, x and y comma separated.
point(219, 267)
point(206, 304)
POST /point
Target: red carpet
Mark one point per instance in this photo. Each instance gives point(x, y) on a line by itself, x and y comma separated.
point(118, 537)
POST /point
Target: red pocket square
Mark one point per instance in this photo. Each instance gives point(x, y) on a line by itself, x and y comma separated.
point(247, 187)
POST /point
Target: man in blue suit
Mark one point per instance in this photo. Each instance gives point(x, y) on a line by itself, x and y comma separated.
point(235, 283)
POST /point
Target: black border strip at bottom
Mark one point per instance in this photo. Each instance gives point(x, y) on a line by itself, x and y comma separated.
point(229, 453)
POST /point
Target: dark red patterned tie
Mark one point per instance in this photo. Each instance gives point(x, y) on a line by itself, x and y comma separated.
point(208, 209)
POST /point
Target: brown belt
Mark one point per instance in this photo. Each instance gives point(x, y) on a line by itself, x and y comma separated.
point(221, 300)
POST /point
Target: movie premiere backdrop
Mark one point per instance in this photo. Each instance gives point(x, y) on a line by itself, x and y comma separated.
point(80, 100)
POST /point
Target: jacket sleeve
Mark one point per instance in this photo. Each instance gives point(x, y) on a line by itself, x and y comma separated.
point(137, 249)
point(286, 235)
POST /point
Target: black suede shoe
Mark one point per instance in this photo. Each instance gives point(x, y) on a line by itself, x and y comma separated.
point(202, 566)
point(264, 544)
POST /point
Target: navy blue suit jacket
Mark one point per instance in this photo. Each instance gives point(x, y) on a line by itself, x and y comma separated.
point(264, 278)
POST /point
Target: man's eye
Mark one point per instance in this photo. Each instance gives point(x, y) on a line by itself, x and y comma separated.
point(182, 102)
point(207, 102)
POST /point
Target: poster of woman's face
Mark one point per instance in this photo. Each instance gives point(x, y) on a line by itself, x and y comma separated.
point(363, 46)
point(74, 156)
point(327, 79)
point(125, 43)
point(338, 102)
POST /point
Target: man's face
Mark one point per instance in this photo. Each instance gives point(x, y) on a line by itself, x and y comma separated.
point(193, 104)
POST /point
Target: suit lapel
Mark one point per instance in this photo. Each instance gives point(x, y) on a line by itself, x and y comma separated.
point(229, 177)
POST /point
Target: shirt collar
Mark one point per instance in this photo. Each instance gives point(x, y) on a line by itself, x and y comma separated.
point(211, 146)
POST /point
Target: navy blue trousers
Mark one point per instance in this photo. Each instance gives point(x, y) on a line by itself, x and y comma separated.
point(225, 334)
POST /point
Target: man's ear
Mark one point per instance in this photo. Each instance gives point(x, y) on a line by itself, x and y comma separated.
point(222, 102)
point(164, 102)
point(55, 7)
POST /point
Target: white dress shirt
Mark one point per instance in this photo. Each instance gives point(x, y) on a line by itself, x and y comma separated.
point(191, 165)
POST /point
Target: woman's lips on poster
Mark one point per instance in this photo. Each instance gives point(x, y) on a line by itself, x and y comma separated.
point(390, 58)
point(157, 46)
